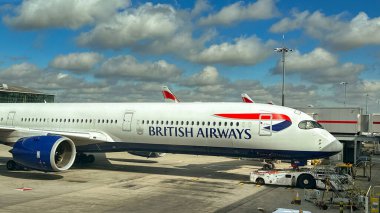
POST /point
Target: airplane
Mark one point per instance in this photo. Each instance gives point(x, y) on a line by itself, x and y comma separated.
point(168, 95)
point(246, 99)
point(49, 136)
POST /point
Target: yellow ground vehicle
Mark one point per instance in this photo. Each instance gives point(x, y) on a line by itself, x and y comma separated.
point(374, 198)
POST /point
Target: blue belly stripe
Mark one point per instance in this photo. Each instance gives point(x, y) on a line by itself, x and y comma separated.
point(205, 150)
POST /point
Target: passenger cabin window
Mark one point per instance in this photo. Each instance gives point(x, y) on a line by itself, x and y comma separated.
point(309, 125)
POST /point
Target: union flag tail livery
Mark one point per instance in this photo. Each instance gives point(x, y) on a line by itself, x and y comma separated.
point(168, 95)
point(246, 98)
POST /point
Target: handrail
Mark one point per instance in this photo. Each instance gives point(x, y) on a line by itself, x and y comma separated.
point(369, 190)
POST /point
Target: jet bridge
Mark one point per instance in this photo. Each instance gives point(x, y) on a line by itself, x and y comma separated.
point(350, 126)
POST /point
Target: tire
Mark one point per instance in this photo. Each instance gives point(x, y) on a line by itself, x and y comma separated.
point(306, 182)
point(260, 181)
point(11, 165)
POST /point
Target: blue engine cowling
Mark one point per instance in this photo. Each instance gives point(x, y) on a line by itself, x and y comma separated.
point(46, 153)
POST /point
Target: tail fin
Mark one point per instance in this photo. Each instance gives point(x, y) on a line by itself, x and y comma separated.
point(246, 98)
point(168, 95)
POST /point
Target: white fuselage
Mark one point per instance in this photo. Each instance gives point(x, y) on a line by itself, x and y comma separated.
point(231, 129)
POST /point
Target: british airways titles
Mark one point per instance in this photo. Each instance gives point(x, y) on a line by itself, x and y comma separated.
point(200, 133)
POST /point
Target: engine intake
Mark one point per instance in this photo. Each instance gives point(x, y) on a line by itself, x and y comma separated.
point(45, 153)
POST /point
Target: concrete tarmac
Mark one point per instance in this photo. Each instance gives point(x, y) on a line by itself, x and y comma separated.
point(125, 183)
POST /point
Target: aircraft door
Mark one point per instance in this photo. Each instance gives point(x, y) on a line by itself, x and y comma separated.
point(265, 125)
point(10, 118)
point(127, 121)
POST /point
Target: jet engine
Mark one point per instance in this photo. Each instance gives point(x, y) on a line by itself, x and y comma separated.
point(147, 154)
point(45, 153)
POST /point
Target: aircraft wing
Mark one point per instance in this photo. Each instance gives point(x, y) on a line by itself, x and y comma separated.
point(79, 138)
point(6, 129)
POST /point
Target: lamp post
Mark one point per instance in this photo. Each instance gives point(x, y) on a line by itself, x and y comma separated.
point(366, 104)
point(283, 50)
point(345, 91)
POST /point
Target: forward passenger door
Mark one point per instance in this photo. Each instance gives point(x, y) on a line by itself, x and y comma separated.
point(127, 121)
point(10, 118)
point(265, 125)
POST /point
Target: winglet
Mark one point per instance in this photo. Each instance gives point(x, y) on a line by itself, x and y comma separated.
point(246, 98)
point(168, 95)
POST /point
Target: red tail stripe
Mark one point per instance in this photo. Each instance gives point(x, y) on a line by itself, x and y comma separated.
point(168, 95)
point(337, 122)
point(376, 122)
point(254, 116)
point(246, 100)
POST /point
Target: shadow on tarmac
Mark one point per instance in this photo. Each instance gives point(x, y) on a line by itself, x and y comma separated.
point(30, 175)
point(218, 170)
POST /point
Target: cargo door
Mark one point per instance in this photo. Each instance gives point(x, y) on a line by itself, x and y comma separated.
point(265, 125)
point(127, 121)
point(10, 118)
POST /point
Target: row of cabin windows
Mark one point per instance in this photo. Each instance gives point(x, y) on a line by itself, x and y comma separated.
point(64, 120)
point(192, 123)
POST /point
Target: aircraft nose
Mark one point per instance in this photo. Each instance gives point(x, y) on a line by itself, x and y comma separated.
point(335, 146)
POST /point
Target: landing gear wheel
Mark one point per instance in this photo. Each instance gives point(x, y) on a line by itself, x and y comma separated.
point(306, 182)
point(11, 165)
point(260, 181)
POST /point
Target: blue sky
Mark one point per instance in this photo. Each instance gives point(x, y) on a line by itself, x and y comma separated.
point(121, 50)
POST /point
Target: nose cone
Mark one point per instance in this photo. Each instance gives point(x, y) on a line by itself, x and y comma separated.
point(335, 146)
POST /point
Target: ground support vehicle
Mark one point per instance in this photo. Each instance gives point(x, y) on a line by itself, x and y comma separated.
point(304, 178)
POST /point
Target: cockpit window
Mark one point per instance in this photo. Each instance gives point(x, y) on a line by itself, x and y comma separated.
point(309, 125)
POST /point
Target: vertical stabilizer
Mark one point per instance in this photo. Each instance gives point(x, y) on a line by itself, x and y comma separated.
point(168, 95)
point(246, 98)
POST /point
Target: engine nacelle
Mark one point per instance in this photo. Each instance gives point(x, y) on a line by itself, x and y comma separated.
point(147, 154)
point(45, 153)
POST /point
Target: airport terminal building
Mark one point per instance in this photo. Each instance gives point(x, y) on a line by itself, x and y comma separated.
point(16, 94)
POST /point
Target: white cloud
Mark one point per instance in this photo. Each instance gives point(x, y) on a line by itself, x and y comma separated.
point(342, 35)
point(76, 62)
point(319, 58)
point(17, 71)
point(208, 76)
point(37, 14)
point(30, 76)
point(129, 68)
point(209, 87)
point(143, 24)
point(199, 7)
point(319, 66)
point(262, 9)
point(245, 51)
point(288, 24)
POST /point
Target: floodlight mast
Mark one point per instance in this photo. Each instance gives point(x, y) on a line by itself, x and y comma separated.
point(366, 103)
point(345, 91)
point(283, 50)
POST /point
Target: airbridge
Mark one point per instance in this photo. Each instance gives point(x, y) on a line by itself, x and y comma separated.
point(350, 126)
